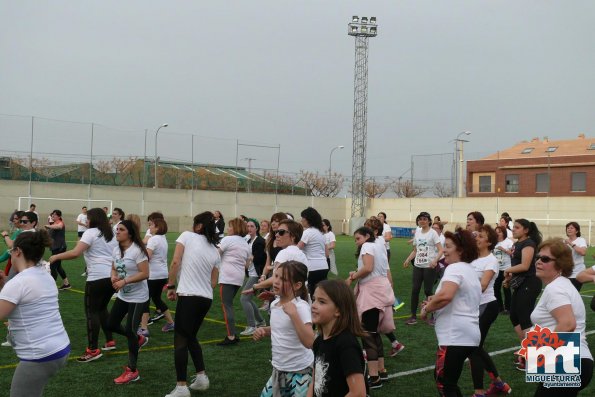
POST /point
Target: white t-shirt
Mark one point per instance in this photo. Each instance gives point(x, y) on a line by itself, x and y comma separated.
point(579, 260)
point(314, 249)
point(329, 237)
point(99, 255)
point(380, 266)
point(382, 253)
point(558, 293)
point(289, 354)
point(158, 261)
point(508, 233)
point(36, 327)
point(502, 257)
point(481, 265)
point(115, 228)
point(82, 218)
point(199, 259)
point(442, 242)
point(128, 266)
point(386, 229)
point(291, 253)
point(235, 253)
point(251, 268)
point(457, 324)
point(425, 244)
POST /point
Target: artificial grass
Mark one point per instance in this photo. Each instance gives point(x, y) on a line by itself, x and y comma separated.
point(243, 369)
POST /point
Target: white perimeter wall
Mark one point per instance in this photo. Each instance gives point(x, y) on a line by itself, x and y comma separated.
point(551, 214)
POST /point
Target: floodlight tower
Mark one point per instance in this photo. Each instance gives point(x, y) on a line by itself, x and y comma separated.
point(362, 29)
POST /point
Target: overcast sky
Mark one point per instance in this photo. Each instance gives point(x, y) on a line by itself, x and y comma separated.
point(281, 72)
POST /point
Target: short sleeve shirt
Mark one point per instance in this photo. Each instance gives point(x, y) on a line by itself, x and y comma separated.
point(235, 254)
point(289, 354)
point(579, 260)
point(502, 257)
point(158, 261)
point(314, 249)
point(425, 245)
point(198, 261)
point(98, 257)
point(484, 264)
point(126, 266)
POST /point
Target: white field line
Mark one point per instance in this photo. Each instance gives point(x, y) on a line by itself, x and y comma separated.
point(431, 367)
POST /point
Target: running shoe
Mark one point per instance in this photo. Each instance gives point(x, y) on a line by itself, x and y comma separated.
point(228, 342)
point(383, 375)
point(430, 321)
point(64, 286)
point(498, 388)
point(127, 376)
point(264, 307)
point(6, 344)
point(411, 321)
point(396, 348)
point(168, 327)
point(89, 355)
point(520, 363)
point(374, 382)
point(158, 316)
point(398, 304)
point(84, 274)
point(142, 341)
point(200, 382)
point(179, 391)
point(248, 331)
point(262, 323)
point(143, 332)
point(109, 345)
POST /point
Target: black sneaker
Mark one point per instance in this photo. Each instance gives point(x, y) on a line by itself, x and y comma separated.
point(65, 286)
point(228, 342)
point(383, 375)
point(158, 316)
point(374, 382)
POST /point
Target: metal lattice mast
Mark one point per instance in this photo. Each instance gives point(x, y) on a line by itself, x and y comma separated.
point(362, 29)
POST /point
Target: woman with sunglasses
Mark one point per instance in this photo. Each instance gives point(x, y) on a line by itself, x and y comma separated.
point(456, 307)
point(30, 302)
point(520, 276)
point(561, 308)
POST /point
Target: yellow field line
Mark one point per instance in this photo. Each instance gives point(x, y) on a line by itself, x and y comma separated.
point(212, 320)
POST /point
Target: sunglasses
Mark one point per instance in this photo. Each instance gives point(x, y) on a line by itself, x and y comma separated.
point(24, 221)
point(281, 232)
point(544, 259)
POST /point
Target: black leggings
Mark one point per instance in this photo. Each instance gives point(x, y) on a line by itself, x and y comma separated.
point(449, 365)
point(155, 292)
point(372, 342)
point(425, 276)
point(502, 304)
point(314, 278)
point(586, 375)
point(190, 313)
point(56, 267)
point(133, 313)
point(480, 360)
point(523, 302)
point(97, 296)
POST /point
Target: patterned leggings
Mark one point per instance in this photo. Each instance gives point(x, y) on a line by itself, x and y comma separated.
point(296, 385)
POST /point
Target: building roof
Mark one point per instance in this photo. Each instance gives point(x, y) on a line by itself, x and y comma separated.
point(537, 148)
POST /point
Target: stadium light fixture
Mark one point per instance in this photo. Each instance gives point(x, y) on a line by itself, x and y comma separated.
point(156, 158)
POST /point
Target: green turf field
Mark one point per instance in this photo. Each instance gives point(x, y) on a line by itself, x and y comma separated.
point(242, 370)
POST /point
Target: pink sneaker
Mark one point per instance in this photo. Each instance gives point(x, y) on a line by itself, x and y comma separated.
point(396, 349)
point(127, 376)
point(498, 388)
point(411, 321)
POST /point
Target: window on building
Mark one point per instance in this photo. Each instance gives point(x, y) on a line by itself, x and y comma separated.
point(579, 182)
point(551, 149)
point(527, 150)
point(485, 184)
point(542, 183)
point(512, 183)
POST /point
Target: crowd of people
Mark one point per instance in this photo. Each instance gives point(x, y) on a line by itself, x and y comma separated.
point(326, 337)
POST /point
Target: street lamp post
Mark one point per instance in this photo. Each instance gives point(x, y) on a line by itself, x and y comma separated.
point(156, 134)
point(330, 159)
point(460, 192)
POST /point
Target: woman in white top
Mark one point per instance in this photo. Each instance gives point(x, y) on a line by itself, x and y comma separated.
point(502, 252)
point(235, 255)
point(117, 216)
point(561, 308)
point(313, 245)
point(427, 250)
point(504, 223)
point(330, 241)
point(97, 246)
point(129, 274)
point(578, 246)
point(487, 268)
point(195, 267)
point(157, 249)
point(387, 233)
point(30, 302)
point(456, 307)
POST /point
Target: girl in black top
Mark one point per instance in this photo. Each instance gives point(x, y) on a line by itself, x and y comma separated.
point(57, 232)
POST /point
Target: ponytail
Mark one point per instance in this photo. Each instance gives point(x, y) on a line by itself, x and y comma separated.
point(535, 234)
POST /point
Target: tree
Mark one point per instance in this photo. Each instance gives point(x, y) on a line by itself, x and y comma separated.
point(407, 189)
point(442, 190)
point(374, 189)
point(321, 186)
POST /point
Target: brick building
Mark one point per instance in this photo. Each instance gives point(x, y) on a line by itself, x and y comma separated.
point(536, 168)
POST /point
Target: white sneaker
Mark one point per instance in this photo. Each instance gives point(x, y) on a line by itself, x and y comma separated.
point(248, 331)
point(201, 382)
point(179, 391)
point(6, 344)
point(263, 323)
